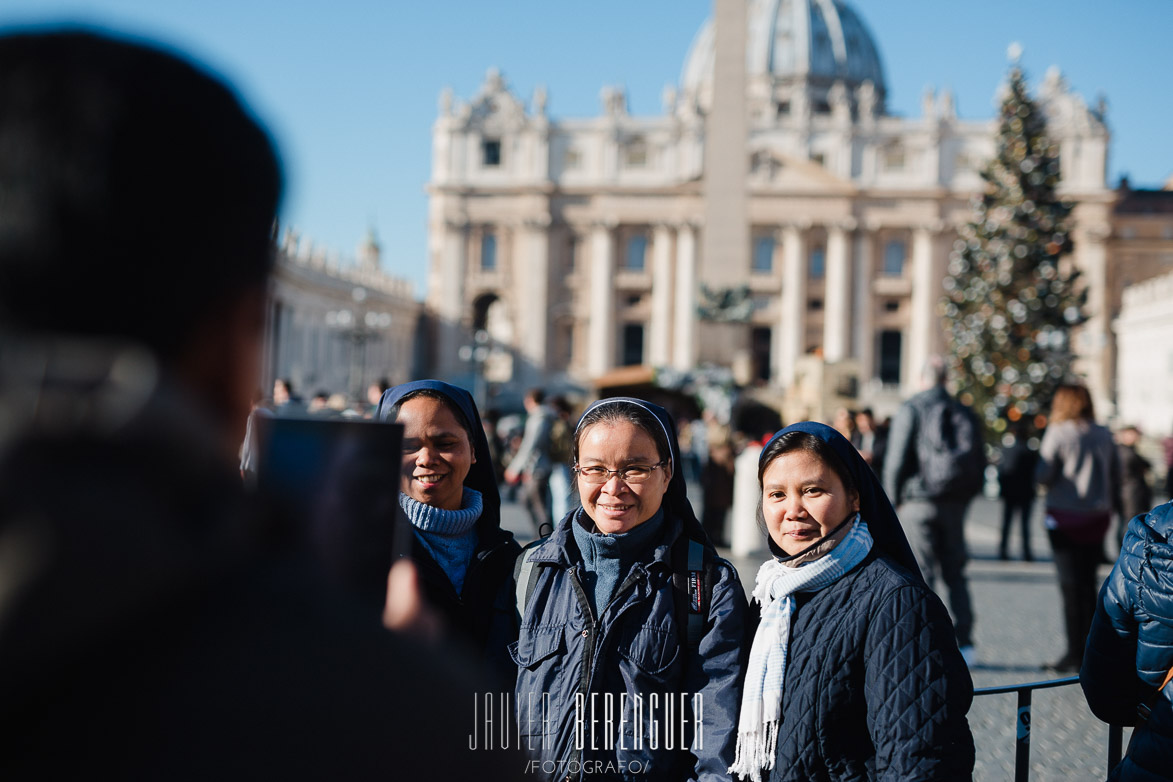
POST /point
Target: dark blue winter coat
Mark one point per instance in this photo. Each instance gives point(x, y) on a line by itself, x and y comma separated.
point(1130, 646)
point(634, 649)
point(875, 685)
point(633, 659)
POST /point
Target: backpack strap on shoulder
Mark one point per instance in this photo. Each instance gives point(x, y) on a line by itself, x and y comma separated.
point(692, 580)
point(700, 592)
point(525, 577)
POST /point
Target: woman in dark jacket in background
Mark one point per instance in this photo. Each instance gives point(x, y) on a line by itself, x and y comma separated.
point(449, 492)
point(608, 669)
point(1130, 647)
point(854, 672)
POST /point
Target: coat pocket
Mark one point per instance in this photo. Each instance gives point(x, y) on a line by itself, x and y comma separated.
point(540, 655)
point(537, 644)
point(651, 664)
point(651, 650)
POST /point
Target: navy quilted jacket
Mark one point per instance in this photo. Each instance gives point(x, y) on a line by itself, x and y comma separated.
point(875, 686)
point(623, 665)
point(1130, 646)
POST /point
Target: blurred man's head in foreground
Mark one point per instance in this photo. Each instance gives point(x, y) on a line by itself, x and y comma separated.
point(137, 203)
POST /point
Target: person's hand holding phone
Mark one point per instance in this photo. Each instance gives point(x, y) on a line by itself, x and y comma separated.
point(406, 611)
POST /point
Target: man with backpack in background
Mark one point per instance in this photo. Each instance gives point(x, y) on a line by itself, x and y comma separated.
point(933, 467)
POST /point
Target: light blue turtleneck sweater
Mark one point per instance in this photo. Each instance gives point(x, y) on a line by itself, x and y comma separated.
point(450, 536)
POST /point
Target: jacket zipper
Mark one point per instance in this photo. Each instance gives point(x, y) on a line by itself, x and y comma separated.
point(591, 636)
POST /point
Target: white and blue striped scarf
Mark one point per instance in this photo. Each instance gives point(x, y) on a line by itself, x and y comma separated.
point(761, 701)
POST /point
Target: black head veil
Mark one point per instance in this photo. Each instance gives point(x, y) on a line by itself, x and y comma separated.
point(874, 506)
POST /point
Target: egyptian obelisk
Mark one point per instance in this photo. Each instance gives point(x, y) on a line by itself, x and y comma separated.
point(725, 248)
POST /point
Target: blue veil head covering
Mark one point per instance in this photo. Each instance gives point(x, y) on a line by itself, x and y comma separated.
point(676, 497)
point(874, 506)
point(481, 476)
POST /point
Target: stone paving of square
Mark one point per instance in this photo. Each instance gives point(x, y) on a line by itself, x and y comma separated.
point(1018, 628)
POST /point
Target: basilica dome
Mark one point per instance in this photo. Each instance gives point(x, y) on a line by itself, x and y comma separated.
point(807, 45)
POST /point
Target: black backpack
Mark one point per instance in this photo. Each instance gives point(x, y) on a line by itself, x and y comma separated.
point(950, 452)
point(693, 576)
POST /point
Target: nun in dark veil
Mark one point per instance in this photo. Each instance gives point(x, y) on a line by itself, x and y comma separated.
point(604, 625)
point(448, 491)
point(854, 671)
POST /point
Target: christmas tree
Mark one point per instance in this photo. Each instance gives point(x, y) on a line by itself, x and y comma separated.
point(1010, 297)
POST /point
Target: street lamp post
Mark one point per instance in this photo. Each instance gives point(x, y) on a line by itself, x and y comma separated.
point(359, 330)
point(478, 354)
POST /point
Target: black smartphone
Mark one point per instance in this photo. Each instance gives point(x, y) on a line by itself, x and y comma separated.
point(336, 481)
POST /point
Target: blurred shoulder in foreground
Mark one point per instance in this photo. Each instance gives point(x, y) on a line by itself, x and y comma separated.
point(152, 625)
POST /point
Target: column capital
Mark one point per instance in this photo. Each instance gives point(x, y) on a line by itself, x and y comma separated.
point(794, 229)
point(456, 222)
point(609, 222)
point(847, 224)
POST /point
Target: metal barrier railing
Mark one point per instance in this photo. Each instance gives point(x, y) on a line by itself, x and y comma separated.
point(1022, 735)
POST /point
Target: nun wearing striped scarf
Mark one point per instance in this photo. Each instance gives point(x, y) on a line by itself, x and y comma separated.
point(854, 672)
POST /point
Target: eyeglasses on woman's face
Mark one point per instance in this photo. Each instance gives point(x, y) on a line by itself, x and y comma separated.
point(633, 473)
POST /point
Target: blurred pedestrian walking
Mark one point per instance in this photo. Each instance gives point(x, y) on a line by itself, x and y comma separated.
point(1017, 488)
point(531, 464)
point(1080, 469)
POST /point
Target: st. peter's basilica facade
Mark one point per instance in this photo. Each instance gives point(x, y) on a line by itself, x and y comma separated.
point(770, 219)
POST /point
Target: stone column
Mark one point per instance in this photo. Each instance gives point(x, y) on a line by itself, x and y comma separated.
point(448, 300)
point(684, 348)
point(660, 338)
point(926, 291)
point(837, 311)
point(534, 286)
point(792, 325)
point(601, 326)
point(1092, 343)
point(865, 325)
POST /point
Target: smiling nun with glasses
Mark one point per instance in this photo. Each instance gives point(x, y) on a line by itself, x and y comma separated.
point(611, 683)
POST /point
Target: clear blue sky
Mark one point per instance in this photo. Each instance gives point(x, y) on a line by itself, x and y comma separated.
point(349, 88)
